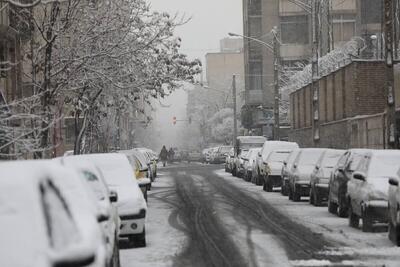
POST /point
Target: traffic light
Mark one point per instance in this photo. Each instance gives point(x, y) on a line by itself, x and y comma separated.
point(174, 120)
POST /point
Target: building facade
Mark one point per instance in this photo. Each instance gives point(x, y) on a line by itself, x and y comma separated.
point(339, 22)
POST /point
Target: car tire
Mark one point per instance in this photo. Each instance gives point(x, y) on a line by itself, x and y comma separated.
point(267, 185)
point(284, 189)
point(311, 200)
point(332, 206)
point(367, 224)
point(343, 210)
point(290, 193)
point(394, 233)
point(354, 220)
point(234, 171)
point(317, 198)
point(115, 261)
point(296, 196)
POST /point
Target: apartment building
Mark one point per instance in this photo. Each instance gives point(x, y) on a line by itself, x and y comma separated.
point(340, 20)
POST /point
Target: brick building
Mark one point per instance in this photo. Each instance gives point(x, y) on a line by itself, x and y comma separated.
point(351, 106)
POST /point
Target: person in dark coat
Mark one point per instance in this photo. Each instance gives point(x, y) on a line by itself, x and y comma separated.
point(171, 155)
point(164, 155)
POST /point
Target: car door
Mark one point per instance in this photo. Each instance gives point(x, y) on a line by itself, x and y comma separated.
point(357, 188)
point(338, 176)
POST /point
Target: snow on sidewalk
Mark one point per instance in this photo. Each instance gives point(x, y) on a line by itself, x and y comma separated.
point(163, 241)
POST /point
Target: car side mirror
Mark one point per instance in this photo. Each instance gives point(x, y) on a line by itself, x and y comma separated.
point(285, 163)
point(359, 176)
point(317, 167)
point(259, 154)
point(295, 165)
point(394, 182)
point(341, 169)
point(102, 217)
point(113, 196)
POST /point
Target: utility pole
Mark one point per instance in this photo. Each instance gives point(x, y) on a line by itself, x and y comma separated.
point(392, 134)
point(234, 113)
point(277, 56)
point(315, 71)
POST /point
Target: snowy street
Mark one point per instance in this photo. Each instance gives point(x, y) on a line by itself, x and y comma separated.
point(201, 216)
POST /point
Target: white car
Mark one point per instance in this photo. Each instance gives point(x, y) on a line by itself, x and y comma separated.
point(107, 211)
point(367, 190)
point(43, 223)
point(274, 164)
point(266, 150)
point(249, 164)
point(132, 207)
point(394, 209)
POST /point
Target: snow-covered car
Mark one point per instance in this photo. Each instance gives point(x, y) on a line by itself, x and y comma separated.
point(107, 211)
point(152, 160)
point(229, 160)
point(239, 163)
point(394, 209)
point(140, 168)
point(194, 156)
point(244, 143)
point(220, 155)
point(249, 164)
point(266, 150)
point(341, 174)
point(300, 175)
point(213, 153)
point(320, 177)
point(286, 171)
point(274, 164)
point(42, 222)
point(367, 190)
point(131, 205)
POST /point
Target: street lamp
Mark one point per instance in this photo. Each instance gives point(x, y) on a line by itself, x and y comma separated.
point(275, 49)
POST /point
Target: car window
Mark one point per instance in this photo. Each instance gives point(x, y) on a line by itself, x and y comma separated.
point(363, 164)
point(342, 160)
point(95, 185)
point(354, 161)
point(61, 228)
point(330, 159)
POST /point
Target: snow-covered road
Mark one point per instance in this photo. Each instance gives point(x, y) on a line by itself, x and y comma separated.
point(201, 216)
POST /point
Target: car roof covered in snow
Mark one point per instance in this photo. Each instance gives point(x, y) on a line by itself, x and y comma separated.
point(251, 139)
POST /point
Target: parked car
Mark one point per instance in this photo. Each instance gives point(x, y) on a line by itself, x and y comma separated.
point(320, 177)
point(244, 143)
point(43, 224)
point(139, 165)
point(341, 174)
point(132, 208)
point(249, 164)
point(368, 188)
point(229, 160)
point(300, 175)
point(152, 160)
point(107, 211)
point(286, 171)
point(194, 156)
point(273, 167)
point(267, 148)
point(213, 154)
point(240, 163)
point(394, 209)
point(220, 154)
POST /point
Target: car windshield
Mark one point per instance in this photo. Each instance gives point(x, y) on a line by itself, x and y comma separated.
point(330, 159)
point(384, 166)
point(354, 161)
point(309, 157)
point(278, 156)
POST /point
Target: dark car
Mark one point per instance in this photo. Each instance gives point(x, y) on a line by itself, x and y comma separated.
point(340, 175)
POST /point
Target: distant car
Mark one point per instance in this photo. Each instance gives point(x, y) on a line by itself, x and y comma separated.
point(107, 211)
point(220, 155)
point(229, 160)
point(286, 171)
point(194, 156)
point(212, 154)
point(44, 224)
point(300, 175)
point(394, 209)
point(267, 148)
point(274, 164)
point(241, 161)
point(152, 160)
point(132, 207)
point(249, 164)
point(320, 177)
point(341, 174)
point(244, 143)
point(368, 188)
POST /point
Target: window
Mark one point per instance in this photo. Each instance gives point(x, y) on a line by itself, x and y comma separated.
point(371, 11)
point(294, 30)
point(255, 75)
point(61, 228)
point(344, 27)
point(254, 7)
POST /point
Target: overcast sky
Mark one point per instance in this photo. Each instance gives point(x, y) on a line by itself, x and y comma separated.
point(211, 21)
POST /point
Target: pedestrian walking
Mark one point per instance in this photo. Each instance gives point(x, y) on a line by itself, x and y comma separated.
point(164, 155)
